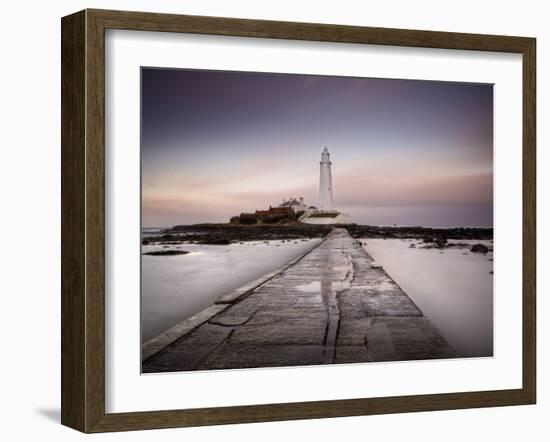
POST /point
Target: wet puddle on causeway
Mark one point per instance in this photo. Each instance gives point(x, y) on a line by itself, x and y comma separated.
point(322, 286)
point(333, 280)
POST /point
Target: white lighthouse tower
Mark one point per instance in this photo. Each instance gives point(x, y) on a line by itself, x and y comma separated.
point(325, 182)
point(325, 213)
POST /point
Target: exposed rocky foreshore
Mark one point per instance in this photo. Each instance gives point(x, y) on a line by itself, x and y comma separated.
point(231, 233)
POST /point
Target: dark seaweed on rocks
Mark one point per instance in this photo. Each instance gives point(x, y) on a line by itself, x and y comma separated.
point(230, 233)
point(167, 252)
point(479, 248)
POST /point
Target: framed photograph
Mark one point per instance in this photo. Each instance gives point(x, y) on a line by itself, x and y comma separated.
point(269, 220)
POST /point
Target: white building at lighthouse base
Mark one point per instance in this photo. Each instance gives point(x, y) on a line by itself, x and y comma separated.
point(325, 217)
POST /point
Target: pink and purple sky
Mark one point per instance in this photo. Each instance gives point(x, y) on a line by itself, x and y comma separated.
point(406, 152)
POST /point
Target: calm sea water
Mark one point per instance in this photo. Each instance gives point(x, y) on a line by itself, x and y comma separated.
point(453, 287)
point(174, 288)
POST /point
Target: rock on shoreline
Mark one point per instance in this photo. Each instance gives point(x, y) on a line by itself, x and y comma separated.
point(167, 253)
point(479, 248)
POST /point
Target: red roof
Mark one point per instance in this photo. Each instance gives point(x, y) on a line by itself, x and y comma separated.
point(274, 211)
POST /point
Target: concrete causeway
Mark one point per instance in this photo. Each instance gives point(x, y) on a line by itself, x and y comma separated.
point(333, 305)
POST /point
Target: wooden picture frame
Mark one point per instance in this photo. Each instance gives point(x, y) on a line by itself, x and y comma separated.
point(83, 220)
